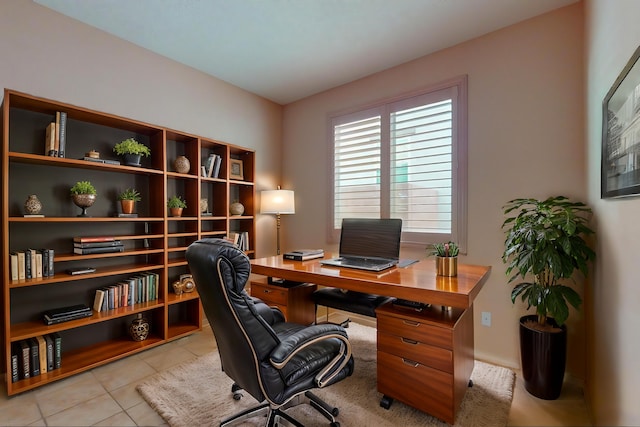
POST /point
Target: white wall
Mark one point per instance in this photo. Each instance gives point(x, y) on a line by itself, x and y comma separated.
point(612, 36)
point(526, 139)
point(49, 55)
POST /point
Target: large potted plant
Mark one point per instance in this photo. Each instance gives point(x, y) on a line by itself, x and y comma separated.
point(544, 247)
point(131, 151)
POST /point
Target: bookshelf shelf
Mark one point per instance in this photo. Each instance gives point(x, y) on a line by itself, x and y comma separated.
point(153, 241)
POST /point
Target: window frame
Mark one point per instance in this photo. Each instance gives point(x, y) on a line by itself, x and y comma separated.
point(459, 159)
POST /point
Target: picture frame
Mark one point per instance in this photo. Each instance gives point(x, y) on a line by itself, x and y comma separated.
point(236, 169)
point(621, 134)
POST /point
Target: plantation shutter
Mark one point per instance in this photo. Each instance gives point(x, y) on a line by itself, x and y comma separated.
point(357, 163)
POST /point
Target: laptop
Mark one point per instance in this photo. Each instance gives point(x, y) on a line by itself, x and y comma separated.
point(368, 244)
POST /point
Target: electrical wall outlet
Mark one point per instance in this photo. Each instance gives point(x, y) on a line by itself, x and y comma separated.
point(486, 318)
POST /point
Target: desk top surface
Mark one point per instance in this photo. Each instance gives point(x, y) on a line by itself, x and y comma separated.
point(417, 282)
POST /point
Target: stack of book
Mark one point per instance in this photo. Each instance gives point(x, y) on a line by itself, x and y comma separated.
point(64, 314)
point(35, 356)
point(211, 167)
point(240, 239)
point(96, 245)
point(304, 254)
point(55, 141)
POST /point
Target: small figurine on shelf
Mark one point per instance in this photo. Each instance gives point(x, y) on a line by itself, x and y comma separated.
point(176, 205)
point(84, 195)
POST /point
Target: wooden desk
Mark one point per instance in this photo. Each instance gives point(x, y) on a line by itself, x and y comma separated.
point(417, 282)
point(425, 359)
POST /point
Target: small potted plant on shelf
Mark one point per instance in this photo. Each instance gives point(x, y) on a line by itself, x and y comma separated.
point(84, 195)
point(131, 151)
point(176, 205)
point(128, 199)
point(546, 243)
point(446, 258)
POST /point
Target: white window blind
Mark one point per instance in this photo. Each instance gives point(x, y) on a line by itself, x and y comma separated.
point(404, 159)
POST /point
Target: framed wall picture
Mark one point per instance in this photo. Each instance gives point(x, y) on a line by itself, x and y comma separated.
point(621, 134)
point(236, 169)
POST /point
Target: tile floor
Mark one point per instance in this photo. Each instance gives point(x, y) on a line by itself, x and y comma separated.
point(106, 396)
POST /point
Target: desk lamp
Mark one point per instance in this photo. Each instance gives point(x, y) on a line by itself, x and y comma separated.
point(277, 202)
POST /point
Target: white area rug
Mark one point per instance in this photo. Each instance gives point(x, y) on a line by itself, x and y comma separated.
point(198, 393)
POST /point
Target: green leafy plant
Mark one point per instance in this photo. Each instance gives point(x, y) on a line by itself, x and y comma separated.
point(130, 194)
point(83, 187)
point(545, 239)
point(449, 249)
point(131, 146)
point(176, 202)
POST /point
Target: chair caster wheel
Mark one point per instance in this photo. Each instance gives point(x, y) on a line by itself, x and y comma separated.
point(386, 402)
point(336, 424)
point(335, 412)
point(470, 383)
point(235, 387)
point(237, 396)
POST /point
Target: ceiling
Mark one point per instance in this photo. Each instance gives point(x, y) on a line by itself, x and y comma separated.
point(285, 50)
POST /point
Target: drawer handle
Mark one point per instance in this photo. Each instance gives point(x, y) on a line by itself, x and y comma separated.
point(410, 362)
point(267, 291)
point(410, 322)
point(409, 341)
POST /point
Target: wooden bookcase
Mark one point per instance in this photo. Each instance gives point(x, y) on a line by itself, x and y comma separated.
point(154, 241)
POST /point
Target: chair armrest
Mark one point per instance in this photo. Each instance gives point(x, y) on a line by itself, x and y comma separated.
point(311, 335)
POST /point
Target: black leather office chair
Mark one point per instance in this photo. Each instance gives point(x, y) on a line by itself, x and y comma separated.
point(274, 361)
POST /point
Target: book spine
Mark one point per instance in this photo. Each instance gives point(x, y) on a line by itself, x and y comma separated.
point(100, 250)
point(93, 239)
point(21, 265)
point(25, 355)
point(27, 264)
point(57, 350)
point(42, 353)
point(50, 353)
point(38, 264)
point(62, 132)
point(50, 141)
point(216, 167)
point(14, 367)
point(51, 262)
point(98, 299)
point(34, 360)
point(14, 265)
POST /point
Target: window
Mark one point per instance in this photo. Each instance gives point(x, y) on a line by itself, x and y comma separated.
point(404, 158)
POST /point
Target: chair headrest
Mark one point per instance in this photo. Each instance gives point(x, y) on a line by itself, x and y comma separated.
point(235, 263)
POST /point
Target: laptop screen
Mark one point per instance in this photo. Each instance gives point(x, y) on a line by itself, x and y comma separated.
point(368, 237)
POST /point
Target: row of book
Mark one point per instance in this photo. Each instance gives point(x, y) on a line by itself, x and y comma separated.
point(35, 356)
point(240, 239)
point(55, 142)
point(134, 290)
point(211, 167)
point(31, 264)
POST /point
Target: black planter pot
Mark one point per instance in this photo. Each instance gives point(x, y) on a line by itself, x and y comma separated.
point(131, 159)
point(544, 356)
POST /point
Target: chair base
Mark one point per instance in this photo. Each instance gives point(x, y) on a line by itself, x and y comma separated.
point(276, 416)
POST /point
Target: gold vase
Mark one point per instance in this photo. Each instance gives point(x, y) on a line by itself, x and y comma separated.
point(447, 266)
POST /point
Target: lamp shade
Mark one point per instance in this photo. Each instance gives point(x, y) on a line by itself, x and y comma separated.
point(277, 202)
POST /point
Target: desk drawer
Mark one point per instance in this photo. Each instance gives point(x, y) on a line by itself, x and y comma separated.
point(269, 294)
point(422, 387)
point(417, 331)
point(428, 355)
